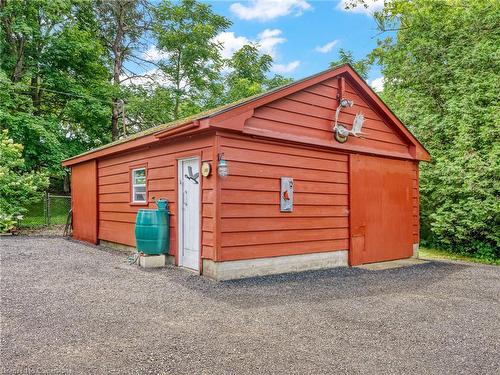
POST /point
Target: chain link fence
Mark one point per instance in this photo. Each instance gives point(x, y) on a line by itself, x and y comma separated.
point(50, 210)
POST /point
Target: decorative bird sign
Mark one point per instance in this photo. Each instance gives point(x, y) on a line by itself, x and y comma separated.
point(357, 125)
point(191, 176)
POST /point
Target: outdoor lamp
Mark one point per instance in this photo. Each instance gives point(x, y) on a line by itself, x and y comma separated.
point(222, 167)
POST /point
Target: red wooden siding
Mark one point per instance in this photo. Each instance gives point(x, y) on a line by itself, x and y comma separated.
point(381, 207)
point(416, 204)
point(360, 196)
point(252, 225)
point(308, 115)
point(84, 201)
point(117, 214)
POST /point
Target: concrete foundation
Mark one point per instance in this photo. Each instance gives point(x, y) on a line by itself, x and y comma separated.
point(416, 246)
point(117, 246)
point(152, 261)
point(238, 269)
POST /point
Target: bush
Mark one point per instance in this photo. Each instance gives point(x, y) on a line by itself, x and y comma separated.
point(18, 187)
point(441, 77)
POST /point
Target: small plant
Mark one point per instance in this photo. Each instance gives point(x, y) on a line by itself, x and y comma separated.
point(484, 252)
point(7, 223)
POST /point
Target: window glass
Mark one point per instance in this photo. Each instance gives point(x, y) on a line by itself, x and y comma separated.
point(139, 185)
point(140, 176)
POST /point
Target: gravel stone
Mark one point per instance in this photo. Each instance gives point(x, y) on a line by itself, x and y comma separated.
point(72, 308)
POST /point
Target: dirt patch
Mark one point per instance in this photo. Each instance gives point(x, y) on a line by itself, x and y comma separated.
point(53, 230)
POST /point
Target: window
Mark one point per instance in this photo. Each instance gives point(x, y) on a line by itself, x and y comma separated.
point(139, 185)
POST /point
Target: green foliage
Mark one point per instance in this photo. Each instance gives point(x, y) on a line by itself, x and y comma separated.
point(7, 222)
point(66, 65)
point(149, 105)
point(248, 76)
point(120, 26)
point(278, 80)
point(185, 31)
point(54, 80)
point(18, 188)
point(248, 63)
point(39, 136)
point(346, 57)
point(442, 78)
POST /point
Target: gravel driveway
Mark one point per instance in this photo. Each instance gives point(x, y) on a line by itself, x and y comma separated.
point(67, 307)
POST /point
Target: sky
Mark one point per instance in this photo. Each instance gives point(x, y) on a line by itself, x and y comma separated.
point(302, 36)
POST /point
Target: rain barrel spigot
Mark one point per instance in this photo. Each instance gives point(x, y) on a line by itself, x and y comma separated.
point(162, 204)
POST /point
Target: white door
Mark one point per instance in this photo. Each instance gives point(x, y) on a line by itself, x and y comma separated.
point(189, 213)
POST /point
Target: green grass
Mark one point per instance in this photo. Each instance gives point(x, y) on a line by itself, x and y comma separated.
point(35, 217)
point(447, 255)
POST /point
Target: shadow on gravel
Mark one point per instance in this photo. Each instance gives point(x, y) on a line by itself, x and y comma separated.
point(316, 286)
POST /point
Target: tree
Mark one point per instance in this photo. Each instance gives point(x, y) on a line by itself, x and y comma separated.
point(17, 186)
point(54, 80)
point(185, 32)
point(121, 26)
point(248, 74)
point(248, 63)
point(441, 75)
point(148, 105)
point(346, 57)
point(278, 80)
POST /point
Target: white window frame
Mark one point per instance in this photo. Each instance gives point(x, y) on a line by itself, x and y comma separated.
point(134, 185)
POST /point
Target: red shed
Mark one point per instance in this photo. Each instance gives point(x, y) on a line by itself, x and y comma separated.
point(301, 192)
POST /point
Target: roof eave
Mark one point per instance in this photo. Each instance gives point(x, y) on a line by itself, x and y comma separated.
point(146, 140)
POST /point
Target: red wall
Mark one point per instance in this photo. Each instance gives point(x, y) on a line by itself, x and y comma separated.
point(306, 116)
point(117, 213)
point(416, 204)
point(241, 218)
point(252, 225)
point(84, 201)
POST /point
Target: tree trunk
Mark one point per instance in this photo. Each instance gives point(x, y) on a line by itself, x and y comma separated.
point(15, 42)
point(66, 182)
point(18, 70)
point(177, 86)
point(176, 106)
point(36, 91)
point(117, 69)
point(35, 94)
point(115, 112)
point(115, 116)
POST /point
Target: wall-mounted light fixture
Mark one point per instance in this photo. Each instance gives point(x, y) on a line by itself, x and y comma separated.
point(222, 167)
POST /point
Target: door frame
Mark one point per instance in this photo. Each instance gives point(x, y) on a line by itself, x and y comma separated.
point(180, 218)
